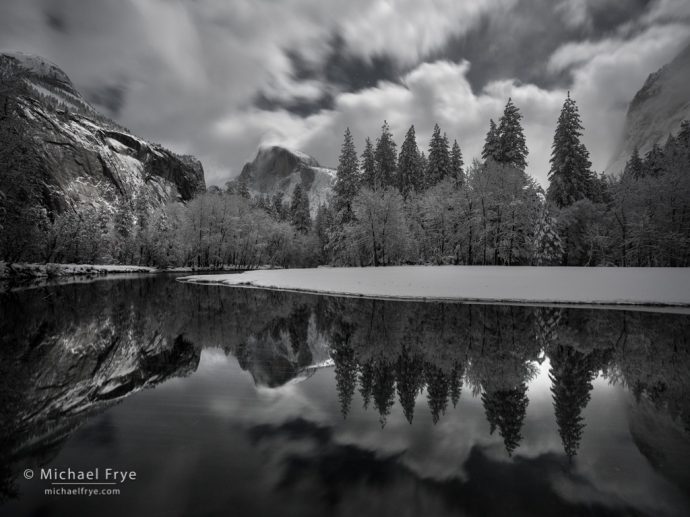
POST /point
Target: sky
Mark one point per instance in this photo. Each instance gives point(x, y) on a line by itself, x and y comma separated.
point(217, 78)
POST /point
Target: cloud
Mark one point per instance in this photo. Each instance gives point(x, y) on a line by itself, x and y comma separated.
point(216, 78)
point(410, 29)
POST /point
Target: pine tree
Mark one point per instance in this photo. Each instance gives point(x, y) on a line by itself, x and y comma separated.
point(456, 164)
point(491, 143)
point(299, 210)
point(634, 168)
point(422, 168)
point(385, 158)
point(439, 158)
point(409, 176)
point(570, 176)
point(368, 165)
point(654, 161)
point(243, 189)
point(346, 180)
point(278, 209)
point(512, 149)
point(547, 246)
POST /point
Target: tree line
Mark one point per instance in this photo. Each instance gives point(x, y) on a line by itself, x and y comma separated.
point(399, 207)
point(413, 207)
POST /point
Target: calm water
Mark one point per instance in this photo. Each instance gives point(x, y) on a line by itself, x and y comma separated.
point(230, 401)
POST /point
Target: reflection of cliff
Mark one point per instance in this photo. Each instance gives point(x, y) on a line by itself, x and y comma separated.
point(60, 363)
point(287, 348)
point(662, 440)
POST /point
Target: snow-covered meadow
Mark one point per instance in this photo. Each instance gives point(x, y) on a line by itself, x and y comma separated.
point(627, 286)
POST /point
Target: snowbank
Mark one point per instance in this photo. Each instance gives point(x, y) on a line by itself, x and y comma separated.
point(60, 270)
point(609, 286)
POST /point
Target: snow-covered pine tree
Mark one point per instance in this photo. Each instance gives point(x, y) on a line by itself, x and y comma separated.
point(439, 158)
point(368, 165)
point(346, 180)
point(512, 148)
point(385, 158)
point(570, 176)
point(409, 176)
point(278, 209)
point(456, 164)
point(634, 168)
point(491, 143)
point(299, 210)
point(423, 167)
point(547, 246)
point(243, 189)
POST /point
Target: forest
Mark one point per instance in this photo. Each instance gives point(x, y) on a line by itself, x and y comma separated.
point(402, 207)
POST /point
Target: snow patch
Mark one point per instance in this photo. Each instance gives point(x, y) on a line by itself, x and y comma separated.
point(598, 285)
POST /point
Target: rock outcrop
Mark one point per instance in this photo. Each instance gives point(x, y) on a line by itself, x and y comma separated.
point(58, 151)
point(277, 169)
point(656, 111)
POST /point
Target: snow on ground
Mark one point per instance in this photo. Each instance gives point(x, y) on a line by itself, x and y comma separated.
point(57, 270)
point(630, 286)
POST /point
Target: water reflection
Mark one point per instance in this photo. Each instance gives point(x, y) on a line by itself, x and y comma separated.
point(70, 353)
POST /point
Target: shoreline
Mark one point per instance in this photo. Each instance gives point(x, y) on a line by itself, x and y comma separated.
point(19, 272)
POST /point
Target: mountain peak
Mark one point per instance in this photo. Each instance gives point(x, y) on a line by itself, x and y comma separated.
point(279, 169)
point(35, 68)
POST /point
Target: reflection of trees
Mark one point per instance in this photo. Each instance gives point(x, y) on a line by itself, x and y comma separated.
point(410, 380)
point(345, 368)
point(505, 410)
point(652, 358)
point(383, 390)
point(437, 348)
point(437, 390)
point(572, 373)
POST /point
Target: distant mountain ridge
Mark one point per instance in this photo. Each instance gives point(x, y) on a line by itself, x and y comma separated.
point(59, 151)
point(278, 169)
point(656, 111)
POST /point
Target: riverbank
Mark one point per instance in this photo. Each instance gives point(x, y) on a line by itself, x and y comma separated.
point(31, 271)
point(26, 271)
point(548, 285)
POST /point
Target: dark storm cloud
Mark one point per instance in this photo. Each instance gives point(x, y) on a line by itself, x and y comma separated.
point(518, 44)
point(346, 71)
point(298, 106)
point(339, 71)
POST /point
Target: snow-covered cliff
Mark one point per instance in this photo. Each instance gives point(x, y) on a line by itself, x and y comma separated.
point(277, 169)
point(58, 151)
